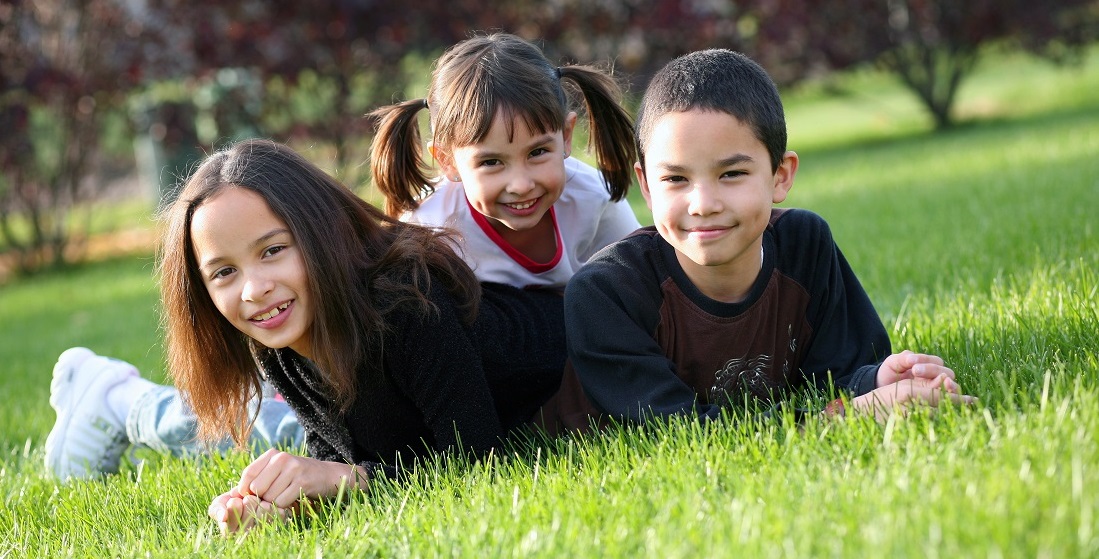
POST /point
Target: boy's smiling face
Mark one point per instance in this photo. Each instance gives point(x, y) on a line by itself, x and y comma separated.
point(708, 181)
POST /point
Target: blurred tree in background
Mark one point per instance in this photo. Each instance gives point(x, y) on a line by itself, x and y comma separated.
point(930, 45)
point(64, 66)
point(178, 78)
point(301, 69)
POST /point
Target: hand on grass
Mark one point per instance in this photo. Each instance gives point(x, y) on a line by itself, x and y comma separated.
point(910, 365)
point(235, 512)
point(906, 394)
point(283, 479)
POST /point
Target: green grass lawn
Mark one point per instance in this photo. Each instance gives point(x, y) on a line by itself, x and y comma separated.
point(978, 244)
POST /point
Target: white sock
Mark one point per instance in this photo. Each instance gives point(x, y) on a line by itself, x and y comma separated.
point(121, 397)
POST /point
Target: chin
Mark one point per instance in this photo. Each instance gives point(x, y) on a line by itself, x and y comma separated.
point(708, 260)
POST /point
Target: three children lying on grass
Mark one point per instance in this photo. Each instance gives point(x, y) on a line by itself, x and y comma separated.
point(385, 343)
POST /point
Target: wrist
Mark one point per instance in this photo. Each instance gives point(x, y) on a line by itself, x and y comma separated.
point(878, 374)
point(349, 476)
point(859, 402)
point(360, 478)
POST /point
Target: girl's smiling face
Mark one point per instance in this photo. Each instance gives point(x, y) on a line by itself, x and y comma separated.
point(253, 269)
point(511, 179)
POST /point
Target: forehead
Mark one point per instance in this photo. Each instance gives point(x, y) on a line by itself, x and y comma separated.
point(231, 201)
point(679, 137)
point(233, 216)
point(508, 128)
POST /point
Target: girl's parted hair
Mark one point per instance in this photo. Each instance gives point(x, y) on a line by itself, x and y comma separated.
point(355, 257)
point(472, 82)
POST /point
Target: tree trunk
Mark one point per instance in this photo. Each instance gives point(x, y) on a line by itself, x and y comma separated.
point(934, 74)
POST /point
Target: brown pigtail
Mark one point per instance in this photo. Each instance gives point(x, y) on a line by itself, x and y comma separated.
point(611, 128)
point(396, 157)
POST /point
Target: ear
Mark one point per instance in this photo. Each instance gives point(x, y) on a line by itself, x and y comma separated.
point(640, 172)
point(784, 176)
point(442, 159)
point(566, 132)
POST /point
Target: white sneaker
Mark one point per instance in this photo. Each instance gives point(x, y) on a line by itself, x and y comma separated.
point(88, 439)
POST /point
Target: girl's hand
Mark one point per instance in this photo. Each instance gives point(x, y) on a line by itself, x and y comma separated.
point(909, 365)
point(283, 479)
point(911, 392)
point(235, 512)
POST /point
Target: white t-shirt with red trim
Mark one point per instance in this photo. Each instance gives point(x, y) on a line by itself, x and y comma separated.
point(584, 220)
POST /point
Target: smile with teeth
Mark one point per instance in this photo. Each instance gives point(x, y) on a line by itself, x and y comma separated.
point(271, 313)
point(522, 205)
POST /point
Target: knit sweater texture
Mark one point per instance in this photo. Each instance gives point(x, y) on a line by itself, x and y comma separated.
point(437, 383)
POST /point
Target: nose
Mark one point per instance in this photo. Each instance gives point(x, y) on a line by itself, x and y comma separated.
point(256, 287)
point(703, 199)
point(521, 183)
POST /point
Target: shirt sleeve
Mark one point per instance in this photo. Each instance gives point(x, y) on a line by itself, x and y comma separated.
point(320, 449)
point(436, 364)
point(612, 309)
point(850, 341)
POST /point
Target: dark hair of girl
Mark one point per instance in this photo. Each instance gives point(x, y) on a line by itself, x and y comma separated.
point(480, 77)
point(359, 263)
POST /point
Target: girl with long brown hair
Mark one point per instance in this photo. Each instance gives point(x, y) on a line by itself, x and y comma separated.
point(376, 332)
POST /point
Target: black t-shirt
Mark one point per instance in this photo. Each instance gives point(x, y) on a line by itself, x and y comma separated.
point(643, 339)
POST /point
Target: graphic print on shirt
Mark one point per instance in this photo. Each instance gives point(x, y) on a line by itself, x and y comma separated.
point(742, 377)
point(793, 350)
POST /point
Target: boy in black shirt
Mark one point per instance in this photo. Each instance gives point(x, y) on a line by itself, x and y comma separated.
point(726, 297)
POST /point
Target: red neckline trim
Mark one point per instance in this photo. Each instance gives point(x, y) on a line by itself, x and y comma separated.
point(512, 252)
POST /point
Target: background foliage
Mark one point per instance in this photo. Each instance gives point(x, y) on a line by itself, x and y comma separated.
point(89, 89)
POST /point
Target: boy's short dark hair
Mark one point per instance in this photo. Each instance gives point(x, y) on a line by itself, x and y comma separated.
point(716, 80)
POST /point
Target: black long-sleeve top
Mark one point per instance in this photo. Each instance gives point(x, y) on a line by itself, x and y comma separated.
point(644, 340)
point(443, 384)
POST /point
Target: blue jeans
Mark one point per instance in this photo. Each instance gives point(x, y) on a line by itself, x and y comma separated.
point(160, 420)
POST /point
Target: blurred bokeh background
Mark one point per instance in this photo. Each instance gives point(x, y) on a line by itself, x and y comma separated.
point(115, 100)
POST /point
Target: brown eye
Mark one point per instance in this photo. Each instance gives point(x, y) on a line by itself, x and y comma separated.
point(274, 250)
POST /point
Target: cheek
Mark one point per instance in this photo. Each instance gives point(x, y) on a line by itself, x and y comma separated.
point(662, 205)
point(223, 302)
point(301, 277)
point(480, 193)
point(765, 199)
point(556, 178)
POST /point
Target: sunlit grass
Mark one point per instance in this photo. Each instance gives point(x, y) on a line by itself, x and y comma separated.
point(961, 208)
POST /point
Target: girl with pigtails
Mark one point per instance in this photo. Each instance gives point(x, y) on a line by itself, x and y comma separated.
point(527, 212)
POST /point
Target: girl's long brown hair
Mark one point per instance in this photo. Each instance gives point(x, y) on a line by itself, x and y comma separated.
point(472, 82)
point(355, 256)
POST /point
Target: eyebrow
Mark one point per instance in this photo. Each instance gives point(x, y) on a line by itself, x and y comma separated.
point(258, 242)
point(721, 163)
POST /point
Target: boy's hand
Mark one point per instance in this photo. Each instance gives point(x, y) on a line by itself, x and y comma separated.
point(905, 394)
point(909, 365)
point(235, 512)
